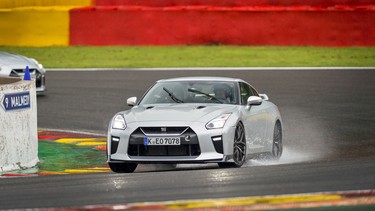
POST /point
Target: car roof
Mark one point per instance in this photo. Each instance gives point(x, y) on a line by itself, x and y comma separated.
point(200, 78)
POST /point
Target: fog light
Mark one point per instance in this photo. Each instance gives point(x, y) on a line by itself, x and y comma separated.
point(218, 143)
point(114, 144)
point(217, 138)
point(187, 138)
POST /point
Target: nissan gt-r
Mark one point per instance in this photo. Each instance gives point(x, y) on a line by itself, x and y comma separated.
point(195, 120)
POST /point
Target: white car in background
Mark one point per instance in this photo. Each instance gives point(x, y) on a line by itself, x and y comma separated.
point(13, 65)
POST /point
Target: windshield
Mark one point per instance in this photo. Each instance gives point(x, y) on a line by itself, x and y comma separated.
point(192, 92)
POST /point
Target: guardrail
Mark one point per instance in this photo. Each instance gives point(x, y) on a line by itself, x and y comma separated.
point(43, 3)
point(212, 25)
point(230, 3)
point(18, 124)
point(243, 23)
point(45, 26)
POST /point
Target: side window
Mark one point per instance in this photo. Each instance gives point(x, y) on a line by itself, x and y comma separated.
point(246, 92)
point(255, 93)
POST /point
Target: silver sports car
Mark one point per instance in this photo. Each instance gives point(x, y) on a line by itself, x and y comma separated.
point(14, 65)
point(195, 120)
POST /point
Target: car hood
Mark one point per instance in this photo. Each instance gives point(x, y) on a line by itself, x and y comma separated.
point(15, 60)
point(177, 112)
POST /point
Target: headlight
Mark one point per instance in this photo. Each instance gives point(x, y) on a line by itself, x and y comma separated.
point(40, 66)
point(218, 122)
point(119, 122)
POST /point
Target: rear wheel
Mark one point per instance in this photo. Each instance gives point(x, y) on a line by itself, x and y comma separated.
point(239, 149)
point(277, 146)
point(123, 167)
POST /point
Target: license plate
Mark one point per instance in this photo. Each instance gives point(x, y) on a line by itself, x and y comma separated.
point(162, 141)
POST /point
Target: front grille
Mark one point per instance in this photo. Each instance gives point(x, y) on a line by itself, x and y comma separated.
point(14, 74)
point(39, 79)
point(22, 71)
point(163, 130)
point(186, 148)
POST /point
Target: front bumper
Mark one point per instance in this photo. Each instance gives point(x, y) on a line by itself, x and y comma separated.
point(38, 75)
point(204, 145)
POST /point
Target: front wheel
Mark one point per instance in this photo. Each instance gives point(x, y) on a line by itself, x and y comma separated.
point(277, 146)
point(123, 167)
point(239, 149)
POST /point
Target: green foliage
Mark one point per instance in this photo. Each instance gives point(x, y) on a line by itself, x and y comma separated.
point(197, 56)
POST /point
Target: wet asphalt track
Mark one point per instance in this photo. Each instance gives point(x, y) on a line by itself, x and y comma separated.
point(329, 139)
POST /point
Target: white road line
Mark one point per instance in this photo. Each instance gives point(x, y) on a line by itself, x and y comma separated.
point(207, 68)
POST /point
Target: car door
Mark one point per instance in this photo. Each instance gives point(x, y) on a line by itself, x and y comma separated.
point(254, 121)
point(268, 114)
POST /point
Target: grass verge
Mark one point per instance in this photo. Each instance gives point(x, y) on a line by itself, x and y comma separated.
point(197, 56)
point(56, 157)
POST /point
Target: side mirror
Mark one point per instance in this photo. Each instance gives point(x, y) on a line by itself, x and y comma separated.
point(264, 96)
point(254, 100)
point(131, 101)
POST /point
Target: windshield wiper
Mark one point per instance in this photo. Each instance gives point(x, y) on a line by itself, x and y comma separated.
point(205, 94)
point(174, 98)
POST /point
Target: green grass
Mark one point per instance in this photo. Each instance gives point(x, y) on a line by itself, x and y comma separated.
point(197, 56)
point(57, 157)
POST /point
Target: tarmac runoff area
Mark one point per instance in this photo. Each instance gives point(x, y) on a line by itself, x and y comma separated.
point(334, 127)
point(63, 152)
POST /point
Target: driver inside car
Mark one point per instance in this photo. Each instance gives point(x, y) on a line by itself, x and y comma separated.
point(223, 93)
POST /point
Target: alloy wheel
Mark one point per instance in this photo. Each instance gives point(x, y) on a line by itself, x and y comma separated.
point(277, 147)
point(239, 148)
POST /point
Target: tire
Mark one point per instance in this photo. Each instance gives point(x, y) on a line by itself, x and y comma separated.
point(277, 144)
point(123, 167)
point(239, 149)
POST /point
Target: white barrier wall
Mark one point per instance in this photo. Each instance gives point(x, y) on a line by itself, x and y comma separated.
point(18, 124)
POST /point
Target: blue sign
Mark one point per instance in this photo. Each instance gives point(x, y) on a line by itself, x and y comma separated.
point(16, 101)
